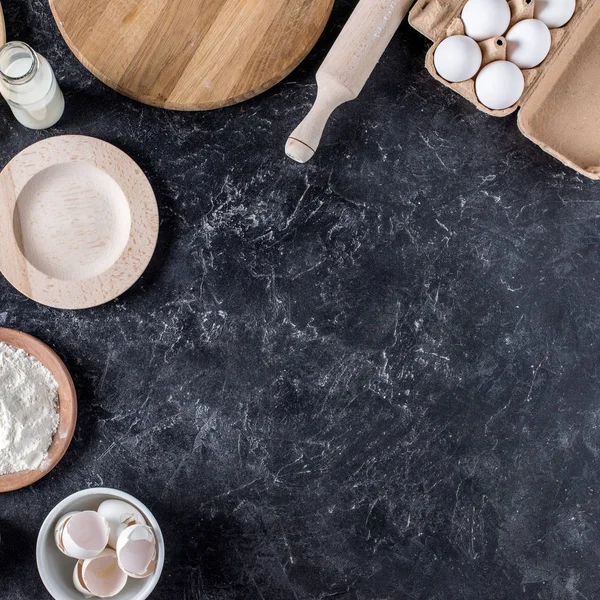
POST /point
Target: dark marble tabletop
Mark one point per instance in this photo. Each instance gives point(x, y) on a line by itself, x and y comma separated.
point(371, 377)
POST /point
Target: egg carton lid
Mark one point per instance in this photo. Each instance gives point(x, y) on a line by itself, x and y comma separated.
point(559, 110)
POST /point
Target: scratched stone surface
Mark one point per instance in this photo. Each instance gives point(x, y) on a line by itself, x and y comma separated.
point(372, 377)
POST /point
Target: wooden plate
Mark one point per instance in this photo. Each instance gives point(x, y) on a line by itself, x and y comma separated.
point(78, 222)
point(191, 54)
point(67, 407)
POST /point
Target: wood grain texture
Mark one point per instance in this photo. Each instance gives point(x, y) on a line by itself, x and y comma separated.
point(2, 28)
point(78, 222)
point(191, 54)
point(67, 407)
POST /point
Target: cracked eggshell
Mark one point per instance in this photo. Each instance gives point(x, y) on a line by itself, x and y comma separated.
point(136, 551)
point(78, 580)
point(60, 527)
point(119, 515)
point(85, 535)
point(99, 576)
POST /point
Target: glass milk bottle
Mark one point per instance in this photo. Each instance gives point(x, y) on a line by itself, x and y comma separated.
point(28, 84)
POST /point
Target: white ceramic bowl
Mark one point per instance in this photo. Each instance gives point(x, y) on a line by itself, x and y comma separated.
point(56, 569)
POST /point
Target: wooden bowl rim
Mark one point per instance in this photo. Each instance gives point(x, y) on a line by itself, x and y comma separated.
point(67, 400)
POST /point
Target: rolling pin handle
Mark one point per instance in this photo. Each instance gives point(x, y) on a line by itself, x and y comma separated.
point(304, 140)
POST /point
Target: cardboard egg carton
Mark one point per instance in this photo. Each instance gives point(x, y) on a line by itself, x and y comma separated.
point(560, 107)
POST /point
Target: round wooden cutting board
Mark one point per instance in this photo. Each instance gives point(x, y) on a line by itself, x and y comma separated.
point(191, 54)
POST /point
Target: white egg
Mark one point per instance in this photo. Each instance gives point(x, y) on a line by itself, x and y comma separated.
point(119, 515)
point(499, 84)
point(99, 576)
point(457, 58)
point(485, 19)
point(528, 43)
point(136, 551)
point(83, 535)
point(555, 13)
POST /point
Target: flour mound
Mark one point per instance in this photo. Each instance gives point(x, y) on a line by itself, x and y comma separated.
point(28, 410)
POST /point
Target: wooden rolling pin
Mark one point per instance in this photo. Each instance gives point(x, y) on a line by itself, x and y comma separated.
point(2, 28)
point(347, 67)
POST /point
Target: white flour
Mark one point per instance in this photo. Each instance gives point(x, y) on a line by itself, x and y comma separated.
point(28, 410)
